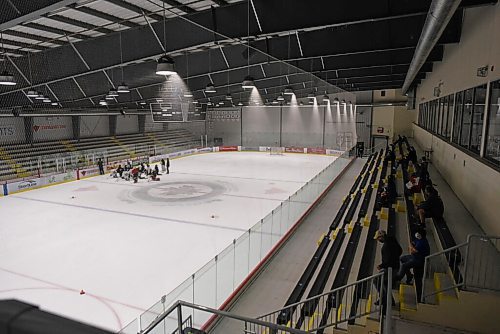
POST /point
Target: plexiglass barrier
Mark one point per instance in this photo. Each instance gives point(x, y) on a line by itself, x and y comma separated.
point(219, 278)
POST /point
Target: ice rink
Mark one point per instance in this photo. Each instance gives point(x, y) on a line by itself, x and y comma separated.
point(128, 244)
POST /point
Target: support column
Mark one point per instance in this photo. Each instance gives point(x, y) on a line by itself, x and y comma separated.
point(76, 127)
point(28, 129)
point(142, 123)
point(112, 125)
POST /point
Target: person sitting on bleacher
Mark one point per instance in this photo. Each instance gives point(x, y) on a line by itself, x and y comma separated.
point(423, 172)
point(412, 156)
point(432, 207)
point(419, 249)
point(414, 185)
point(389, 193)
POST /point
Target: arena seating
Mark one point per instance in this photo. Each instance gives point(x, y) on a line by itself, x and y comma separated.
point(346, 247)
point(21, 160)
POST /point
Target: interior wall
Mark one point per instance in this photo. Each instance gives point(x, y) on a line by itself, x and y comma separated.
point(52, 128)
point(11, 130)
point(151, 126)
point(302, 126)
point(383, 122)
point(478, 47)
point(466, 176)
point(126, 124)
point(94, 126)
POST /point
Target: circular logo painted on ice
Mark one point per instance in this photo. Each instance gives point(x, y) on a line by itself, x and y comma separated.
point(179, 191)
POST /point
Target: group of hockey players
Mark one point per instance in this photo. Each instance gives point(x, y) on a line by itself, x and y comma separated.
point(142, 171)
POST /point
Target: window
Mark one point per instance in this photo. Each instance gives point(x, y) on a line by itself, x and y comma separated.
point(477, 118)
point(493, 129)
point(444, 116)
point(457, 120)
point(451, 100)
point(441, 113)
point(467, 117)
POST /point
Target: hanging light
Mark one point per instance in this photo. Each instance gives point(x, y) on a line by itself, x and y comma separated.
point(326, 98)
point(343, 101)
point(142, 103)
point(123, 88)
point(195, 102)
point(229, 97)
point(7, 79)
point(311, 96)
point(336, 100)
point(210, 88)
point(188, 94)
point(40, 97)
point(288, 91)
point(103, 103)
point(280, 98)
point(32, 93)
point(113, 93)
point(275, 102)
point(54, 104)
point(248, 82)
point(109, 97)
point(165, 66)
point(240, 103)
point(46, 100)
point(349, 103)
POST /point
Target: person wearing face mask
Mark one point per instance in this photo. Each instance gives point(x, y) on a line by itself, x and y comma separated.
point(419, 250)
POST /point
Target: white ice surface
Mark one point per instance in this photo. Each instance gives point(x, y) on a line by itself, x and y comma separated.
point(104, 236)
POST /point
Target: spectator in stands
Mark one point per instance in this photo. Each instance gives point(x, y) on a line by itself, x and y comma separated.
point(432, 207)
point(418, 249)
point(101, 166)
point(389, 193)
point(422, 171)
point(412, 156)
point(414, 185)
point(391, 251)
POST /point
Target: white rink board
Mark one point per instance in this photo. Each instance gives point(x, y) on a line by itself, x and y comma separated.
point(128, 244)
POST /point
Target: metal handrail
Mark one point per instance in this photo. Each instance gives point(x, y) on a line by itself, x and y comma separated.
point(177, 305)
point(459, 275)
point(324, 294)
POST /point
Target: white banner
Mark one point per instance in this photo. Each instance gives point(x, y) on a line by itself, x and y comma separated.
point(40, 182)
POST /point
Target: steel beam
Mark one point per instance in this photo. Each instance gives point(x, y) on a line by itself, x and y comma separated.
point(81, 24)
point(135, 9)
point(104, 16)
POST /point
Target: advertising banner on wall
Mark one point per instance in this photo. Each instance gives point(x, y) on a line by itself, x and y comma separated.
point(313, 150)
point(40, 182)
point(52, 128)
point(228, 148)
point(11, 130)
point(295, 150)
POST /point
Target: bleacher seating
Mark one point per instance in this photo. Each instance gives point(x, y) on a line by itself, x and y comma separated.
point(22, 160)
point(357, 216)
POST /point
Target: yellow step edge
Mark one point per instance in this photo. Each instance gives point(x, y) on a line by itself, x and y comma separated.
point(375, 186)
point(442, 295)
point(339, 312)
point(368, 306)
point(402, 304)
point(311, 321)
point(350, 227)
point(400, 206)
point(366, 221)
point(384, 213)
point(335, 232)
point(321, 239)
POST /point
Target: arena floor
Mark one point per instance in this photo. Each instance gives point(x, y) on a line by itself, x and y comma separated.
point(125, 245)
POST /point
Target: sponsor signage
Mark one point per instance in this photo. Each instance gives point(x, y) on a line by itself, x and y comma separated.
point(18, 186)
point(7, 130)
point(294, 150)
point(228, 148)
point(44, 127)
point(250, 149)
point(316, 150)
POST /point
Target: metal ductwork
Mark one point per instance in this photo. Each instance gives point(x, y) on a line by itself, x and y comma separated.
point(437, 19)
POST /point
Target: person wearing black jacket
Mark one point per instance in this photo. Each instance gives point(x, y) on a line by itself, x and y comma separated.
point(391, 251)
point(432, 207)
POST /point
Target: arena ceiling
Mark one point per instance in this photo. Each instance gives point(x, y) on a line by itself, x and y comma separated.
point(76, 51)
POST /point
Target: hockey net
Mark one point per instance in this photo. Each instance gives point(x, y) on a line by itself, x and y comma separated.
point(276, 150)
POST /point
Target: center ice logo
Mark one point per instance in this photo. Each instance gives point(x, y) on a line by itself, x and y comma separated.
point(180, 192)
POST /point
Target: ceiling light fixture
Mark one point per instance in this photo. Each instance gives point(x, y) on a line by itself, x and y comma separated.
point(46, 100)
point(6, 79)
point(280, 98)
point(326, 98)
point(32, 93)
point(288, 91)
point(123, 88)
point(336, 100)
point(40, 97)
point(210, 88)
point(229, 97)
point(311, 96)
point(248, 82)
point(113, 93)
point(108, 97)
point(165, 64)
point(54, 104)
